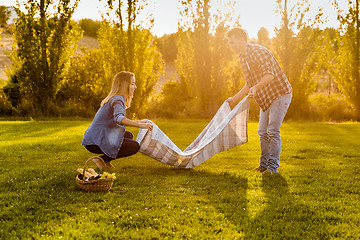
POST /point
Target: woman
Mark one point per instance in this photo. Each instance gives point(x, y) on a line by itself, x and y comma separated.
point(107, 135)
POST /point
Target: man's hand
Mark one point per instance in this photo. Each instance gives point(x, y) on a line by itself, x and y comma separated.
point(253, 90)
point(232, 102)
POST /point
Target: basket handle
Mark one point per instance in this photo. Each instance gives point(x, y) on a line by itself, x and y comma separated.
point(90, 160)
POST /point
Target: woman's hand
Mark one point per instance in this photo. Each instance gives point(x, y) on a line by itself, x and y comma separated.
point(147, 125)
point(143, 121)
point(136, 123)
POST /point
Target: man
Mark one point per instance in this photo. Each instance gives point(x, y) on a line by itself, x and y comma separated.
point(268, 85)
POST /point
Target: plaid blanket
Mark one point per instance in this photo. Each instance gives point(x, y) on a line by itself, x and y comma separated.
point(226, 130)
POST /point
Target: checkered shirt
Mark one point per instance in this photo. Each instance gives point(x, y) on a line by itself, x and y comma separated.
point(258, 61)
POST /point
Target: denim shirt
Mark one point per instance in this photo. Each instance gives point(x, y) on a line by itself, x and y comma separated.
point(106, 130)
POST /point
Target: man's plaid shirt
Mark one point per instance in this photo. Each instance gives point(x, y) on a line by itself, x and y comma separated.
point(258, 61)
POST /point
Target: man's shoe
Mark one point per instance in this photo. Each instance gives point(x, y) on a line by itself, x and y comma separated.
point(259, 169)
point(267, 171)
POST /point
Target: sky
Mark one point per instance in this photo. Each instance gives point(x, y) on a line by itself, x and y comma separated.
point(254, 14)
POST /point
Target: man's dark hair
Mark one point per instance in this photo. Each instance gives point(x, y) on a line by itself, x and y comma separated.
point(238, 33)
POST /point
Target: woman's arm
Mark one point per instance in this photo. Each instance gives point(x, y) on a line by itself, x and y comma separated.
point(139, 124)
point(119, 112)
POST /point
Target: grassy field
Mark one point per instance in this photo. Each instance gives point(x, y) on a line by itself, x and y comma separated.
point(316, 195)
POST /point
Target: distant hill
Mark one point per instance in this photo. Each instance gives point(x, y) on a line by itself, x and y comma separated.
point(89, 42)
point(5, 50)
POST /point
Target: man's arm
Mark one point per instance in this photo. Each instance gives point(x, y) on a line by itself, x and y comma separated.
point(265, 80)
point(237, 97)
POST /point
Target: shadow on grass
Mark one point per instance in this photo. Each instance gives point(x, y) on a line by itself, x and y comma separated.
point(53, 196)
point(283, 217)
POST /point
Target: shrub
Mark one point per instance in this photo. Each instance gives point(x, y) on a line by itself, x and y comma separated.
point(6, 109)
point(90, 27)
point(173, 102)
point(333, 107)
point(83, 86)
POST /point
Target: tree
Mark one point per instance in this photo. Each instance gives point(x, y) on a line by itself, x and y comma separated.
point(347, 58)
point(82, 87)
point(126, 45)
point(294, 41)
point(167, 47)
point(90, 27)
point(203, 60)
point(44, 42)
point(263, 37)
point(320, 61)
point(4, 16)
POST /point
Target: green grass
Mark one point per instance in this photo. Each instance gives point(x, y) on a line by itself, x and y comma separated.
point(316, 196)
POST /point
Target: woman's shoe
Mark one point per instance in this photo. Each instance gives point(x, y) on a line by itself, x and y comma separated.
point(109, 166)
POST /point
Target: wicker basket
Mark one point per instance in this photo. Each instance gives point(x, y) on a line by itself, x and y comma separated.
point(96, 185)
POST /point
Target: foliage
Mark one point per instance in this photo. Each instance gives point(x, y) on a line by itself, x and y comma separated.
point(295, 40)
point(47, 78)
point(337, 55)
point(4, 16)
point(6, 108)
point(44, 44)
point(203, 61)
point(331, 107)
point(173, 102)
point(315, 197)
point(132, 49)
point(347, 56)
point(90, 27)
point(319, 62)
point(82, 87)
point(263, 37)
point(167, 47)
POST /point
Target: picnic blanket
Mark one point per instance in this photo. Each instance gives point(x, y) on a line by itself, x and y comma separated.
point(226, 130)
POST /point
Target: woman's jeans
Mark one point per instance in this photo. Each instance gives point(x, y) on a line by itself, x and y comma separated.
point(269, 131)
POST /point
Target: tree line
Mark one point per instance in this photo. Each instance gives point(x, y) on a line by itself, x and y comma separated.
point(48, 78)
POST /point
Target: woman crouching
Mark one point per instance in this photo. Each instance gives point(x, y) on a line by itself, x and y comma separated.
point(106, 134)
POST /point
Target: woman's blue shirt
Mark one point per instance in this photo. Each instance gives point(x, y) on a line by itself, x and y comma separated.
point(106, 130)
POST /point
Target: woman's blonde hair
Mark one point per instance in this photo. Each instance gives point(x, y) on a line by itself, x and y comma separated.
point(120, 86)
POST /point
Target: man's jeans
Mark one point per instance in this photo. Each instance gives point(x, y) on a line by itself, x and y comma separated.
point(269, 131)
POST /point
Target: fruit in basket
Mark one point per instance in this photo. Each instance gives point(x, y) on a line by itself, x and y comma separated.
point(104, 175)
point(108, 175)
point(111, 176)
